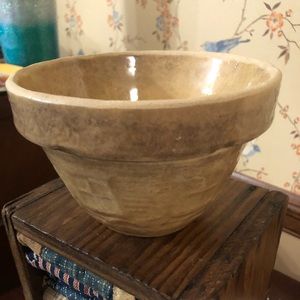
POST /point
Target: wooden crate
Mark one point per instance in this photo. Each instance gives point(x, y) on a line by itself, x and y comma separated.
point(228, 253)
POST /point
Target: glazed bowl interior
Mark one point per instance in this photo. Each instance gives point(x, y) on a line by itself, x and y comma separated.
point(152, 76)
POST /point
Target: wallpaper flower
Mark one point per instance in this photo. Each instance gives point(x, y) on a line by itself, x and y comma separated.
point(73, 26)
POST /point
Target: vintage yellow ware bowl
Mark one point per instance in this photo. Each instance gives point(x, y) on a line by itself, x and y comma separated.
point(144, 140)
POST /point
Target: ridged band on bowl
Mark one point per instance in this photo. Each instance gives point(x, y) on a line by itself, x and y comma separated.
point(145, 198)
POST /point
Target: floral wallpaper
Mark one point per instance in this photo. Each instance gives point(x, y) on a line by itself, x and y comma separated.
point(73, 27)
point(267, 30)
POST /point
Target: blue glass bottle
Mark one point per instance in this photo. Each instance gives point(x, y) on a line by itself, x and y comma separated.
point(28, 32)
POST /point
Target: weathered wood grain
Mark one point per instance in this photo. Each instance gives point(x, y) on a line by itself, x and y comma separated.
point(292, 218)
point(211, 257)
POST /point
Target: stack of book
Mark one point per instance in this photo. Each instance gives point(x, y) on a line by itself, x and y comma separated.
point(66, 280)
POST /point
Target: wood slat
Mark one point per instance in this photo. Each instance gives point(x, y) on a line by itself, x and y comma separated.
point(292, 219)
point(247, 257)
point(150, 268)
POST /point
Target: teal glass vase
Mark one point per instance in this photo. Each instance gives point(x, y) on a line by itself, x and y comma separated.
point(28, 32)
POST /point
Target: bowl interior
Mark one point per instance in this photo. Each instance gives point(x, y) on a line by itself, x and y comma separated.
point(143, 76)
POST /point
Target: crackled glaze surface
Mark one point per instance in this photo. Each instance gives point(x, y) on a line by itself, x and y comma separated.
point(144, 162)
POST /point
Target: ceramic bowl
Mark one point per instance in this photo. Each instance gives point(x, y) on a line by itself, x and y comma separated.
point(144, 140)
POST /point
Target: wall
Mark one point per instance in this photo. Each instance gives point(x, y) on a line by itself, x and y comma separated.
point(287, 260)
point(267, 30)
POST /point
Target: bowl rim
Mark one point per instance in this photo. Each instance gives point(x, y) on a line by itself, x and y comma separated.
point(96, 103)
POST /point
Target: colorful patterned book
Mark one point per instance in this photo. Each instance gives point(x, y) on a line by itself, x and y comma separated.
point(65, 285)
point(69, 277)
